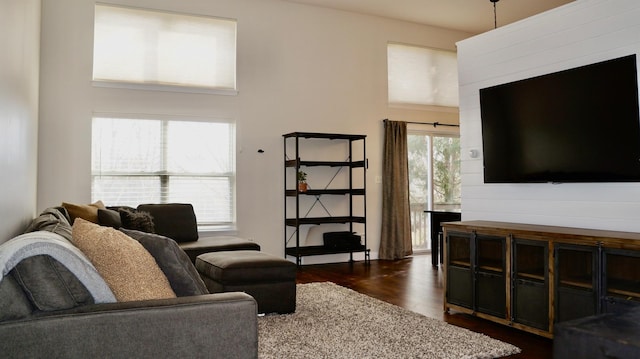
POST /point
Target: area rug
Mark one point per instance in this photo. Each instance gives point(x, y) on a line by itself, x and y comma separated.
point(335, 322)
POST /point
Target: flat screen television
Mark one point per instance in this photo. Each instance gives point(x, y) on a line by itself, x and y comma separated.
point(577, 125)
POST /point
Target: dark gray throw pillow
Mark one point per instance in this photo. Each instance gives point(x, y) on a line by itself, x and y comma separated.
point(173, 261)
point(109, 218)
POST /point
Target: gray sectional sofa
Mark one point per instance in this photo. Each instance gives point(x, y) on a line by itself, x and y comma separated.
point(55, 304)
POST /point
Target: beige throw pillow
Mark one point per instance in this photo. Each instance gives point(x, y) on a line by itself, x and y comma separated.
point(129, 270)
point(84, 211)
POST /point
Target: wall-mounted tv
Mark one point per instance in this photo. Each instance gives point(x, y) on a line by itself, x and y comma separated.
point(577, 125)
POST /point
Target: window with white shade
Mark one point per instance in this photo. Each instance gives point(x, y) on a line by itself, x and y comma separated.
point(162, 49)
point(142, 160)
point(422, 76)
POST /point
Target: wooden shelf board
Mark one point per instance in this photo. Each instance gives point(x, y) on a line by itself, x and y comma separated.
point(465, 264)
point(533, 276)
point(491, 268)
point(576, 283)
point(624, 293)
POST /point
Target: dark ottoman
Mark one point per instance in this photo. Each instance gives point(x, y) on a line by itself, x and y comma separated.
point(270, 280)
point(605, 336)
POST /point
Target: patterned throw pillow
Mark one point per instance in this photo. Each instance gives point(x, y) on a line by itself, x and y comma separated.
point(136, 220)
point(129, 270)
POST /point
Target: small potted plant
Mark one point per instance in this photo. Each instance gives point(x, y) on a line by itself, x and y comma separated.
point(302, 181)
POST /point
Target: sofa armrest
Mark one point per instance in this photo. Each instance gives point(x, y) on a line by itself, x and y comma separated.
point(223, 325)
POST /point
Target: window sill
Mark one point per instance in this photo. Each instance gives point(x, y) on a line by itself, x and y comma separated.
point(209, 230)
point(420, 107)
point(164, 88)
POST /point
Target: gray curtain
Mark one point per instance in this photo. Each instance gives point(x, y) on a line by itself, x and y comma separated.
point(395, 241)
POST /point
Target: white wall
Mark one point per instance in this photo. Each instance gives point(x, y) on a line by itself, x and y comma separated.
point(580, 33)
point(300, 68)
point(19, 68)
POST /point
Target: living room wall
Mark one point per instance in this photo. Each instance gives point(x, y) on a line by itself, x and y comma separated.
point(300, 68)
point(576, 34)
point(19, 69)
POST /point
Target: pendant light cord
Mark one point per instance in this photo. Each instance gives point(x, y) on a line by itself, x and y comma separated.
point(495, 15)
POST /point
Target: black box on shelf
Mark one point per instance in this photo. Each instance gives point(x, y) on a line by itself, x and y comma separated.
point(341, 240)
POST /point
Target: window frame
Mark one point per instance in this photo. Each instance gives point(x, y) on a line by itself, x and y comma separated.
point(433, 106)
point(159, 86)
point(164, 174)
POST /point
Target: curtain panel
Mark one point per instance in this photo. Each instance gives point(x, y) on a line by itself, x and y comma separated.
point(395, 241)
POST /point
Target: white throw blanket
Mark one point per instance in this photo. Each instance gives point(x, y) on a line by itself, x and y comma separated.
point(42, 242)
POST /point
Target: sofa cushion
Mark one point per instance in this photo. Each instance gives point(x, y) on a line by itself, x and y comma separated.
point(173, 261)
point(129, 270)
point(217, 244)
point(52, 219)
point(174, 220)
point(87, 212)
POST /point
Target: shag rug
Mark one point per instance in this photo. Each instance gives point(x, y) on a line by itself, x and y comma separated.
point(335, 322)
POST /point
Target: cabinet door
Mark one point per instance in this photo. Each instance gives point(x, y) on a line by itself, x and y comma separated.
point(459, 269)
point(576, 287)
point(490, 283)
point(530, 281)
point(621, 280)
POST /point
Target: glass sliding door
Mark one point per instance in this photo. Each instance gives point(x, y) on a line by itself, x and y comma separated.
point(434, 180)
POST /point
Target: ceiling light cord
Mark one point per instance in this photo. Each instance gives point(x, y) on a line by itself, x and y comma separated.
point(495, 16)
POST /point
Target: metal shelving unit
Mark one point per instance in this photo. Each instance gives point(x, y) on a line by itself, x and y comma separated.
point(293, 195)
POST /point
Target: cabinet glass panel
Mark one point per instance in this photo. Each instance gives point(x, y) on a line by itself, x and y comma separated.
point(459, 249)
point(576, 282)
point(530, 297)
point(490, 253)
point(575, 268)
point(459, 270)
point(530, 261)
point(491, 290)
point(623, 275)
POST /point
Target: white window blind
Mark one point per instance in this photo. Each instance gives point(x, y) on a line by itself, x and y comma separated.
point(422, 76)
point(137, 161)
point(161, 48)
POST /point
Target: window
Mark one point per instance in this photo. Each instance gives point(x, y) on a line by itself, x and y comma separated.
point(159, 49)
point(136, 161)
point(422, 76)
point(434, 180)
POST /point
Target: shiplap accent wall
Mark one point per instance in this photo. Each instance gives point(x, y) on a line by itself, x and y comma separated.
point(579, 33)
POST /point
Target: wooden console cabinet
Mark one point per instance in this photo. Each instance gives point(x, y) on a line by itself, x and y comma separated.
point(532, 277)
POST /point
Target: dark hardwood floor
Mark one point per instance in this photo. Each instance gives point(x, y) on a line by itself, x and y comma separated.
point(414, 284)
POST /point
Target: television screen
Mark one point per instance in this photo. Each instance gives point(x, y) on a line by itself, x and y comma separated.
point(577, 125)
